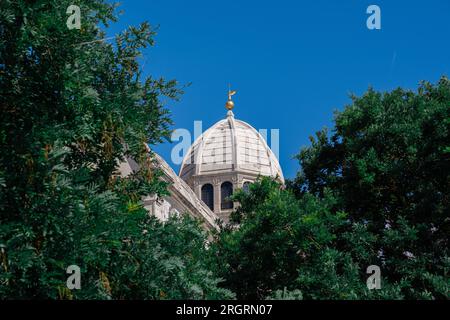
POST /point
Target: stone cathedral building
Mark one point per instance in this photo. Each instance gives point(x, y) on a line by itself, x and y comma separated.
point(226, 157)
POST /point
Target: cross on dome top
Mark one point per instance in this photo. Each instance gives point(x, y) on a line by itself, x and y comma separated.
point(230, 104)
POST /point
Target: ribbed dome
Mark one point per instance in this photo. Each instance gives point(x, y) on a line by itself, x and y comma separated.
point(230, 145)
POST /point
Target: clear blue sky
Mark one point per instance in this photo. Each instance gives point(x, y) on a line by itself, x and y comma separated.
point(292, 62)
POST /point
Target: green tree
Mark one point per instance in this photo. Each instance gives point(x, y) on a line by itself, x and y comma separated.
point(375, 192)
point(286, 247)
point(73, 105)
point(387, 162)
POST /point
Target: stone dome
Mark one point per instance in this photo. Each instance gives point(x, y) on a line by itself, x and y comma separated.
point(230, 145)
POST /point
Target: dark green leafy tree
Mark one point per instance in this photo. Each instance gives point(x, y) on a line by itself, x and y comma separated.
point(374, 192)
point(285, 248)
point(388, 164)
point(73, 105)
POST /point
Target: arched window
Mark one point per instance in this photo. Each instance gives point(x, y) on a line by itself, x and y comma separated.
point(226, 190)
point(246, 186)
point(208, 195)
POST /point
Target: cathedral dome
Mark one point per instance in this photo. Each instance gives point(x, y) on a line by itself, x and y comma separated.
point(230, 145)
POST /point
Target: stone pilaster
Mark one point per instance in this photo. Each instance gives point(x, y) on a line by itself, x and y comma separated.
point(216, 184)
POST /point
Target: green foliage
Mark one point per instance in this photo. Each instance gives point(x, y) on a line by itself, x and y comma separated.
point(73, 105)
point(387, 164)
point(375, 192)
point(284, 247)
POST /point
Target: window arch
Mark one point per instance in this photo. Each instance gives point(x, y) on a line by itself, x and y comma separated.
point(226, 190)
point(246, 186)
point(208, 195)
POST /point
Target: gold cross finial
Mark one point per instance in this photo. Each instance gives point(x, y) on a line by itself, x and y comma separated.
point(230, 104)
